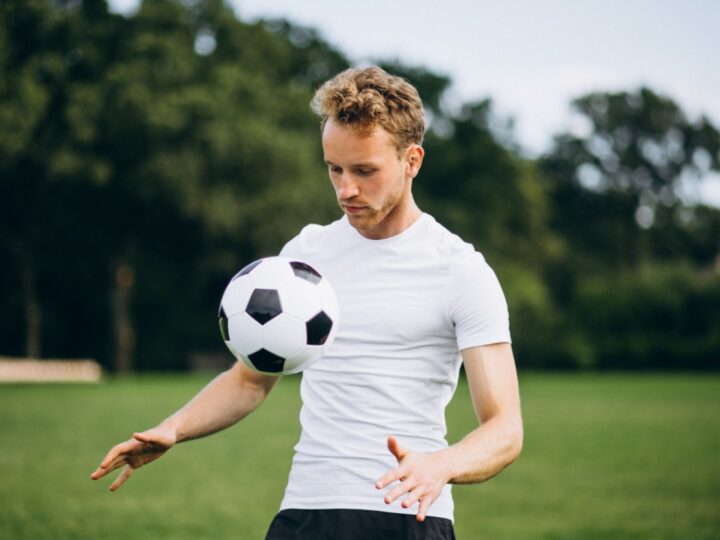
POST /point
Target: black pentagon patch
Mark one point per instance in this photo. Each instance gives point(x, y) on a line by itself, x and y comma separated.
point(249, 268)
point(222, 319)
point(306, 272)
point(264, 305)
point(318, 329)
point(266, 361)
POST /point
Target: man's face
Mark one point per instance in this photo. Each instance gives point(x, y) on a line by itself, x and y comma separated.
point(371, 182)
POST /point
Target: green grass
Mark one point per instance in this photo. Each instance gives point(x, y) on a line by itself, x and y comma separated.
point(605, 457)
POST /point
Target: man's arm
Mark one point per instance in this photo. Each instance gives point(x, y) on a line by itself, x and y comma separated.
point(493, 383)
point(229, 398)
point(484, 452)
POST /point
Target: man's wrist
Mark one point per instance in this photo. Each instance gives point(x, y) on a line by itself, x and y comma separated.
point(172, 425)
point(449, 460)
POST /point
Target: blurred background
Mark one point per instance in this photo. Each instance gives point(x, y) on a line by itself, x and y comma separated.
point(148, 150)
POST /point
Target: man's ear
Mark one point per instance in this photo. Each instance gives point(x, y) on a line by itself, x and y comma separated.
point(414, 158)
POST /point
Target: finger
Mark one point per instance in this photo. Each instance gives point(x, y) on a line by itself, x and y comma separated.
point(109, 458)
point(120, 480)
point(119, 461)
point(411, 499)
point(157, 438)
point(150, 437)
point(106, 468)
point(399, 490)
point(422, 512)
point(394, 446)
point(98, 473)
point(389, 477)
point(116, 451)
point(102, 471)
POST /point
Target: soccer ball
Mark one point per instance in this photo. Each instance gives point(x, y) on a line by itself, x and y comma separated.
point(277, 315)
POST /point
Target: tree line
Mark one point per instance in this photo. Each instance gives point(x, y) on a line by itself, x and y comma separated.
point(144, 159)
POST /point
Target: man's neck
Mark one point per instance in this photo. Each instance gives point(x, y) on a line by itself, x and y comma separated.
point(398, 220)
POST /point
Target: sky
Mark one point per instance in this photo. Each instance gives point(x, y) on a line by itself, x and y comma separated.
point(530, 57)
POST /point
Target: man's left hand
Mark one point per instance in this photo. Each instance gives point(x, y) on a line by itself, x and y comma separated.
point(421, 477)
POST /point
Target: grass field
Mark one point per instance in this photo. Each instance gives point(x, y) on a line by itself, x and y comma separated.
point(605, 457)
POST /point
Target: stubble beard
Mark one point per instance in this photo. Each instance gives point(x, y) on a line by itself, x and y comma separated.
point(372, 217)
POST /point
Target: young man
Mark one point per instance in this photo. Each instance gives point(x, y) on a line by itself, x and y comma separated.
point(372, 460)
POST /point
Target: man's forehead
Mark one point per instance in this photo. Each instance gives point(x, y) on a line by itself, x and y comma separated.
point(339, 140)
point(349, 155)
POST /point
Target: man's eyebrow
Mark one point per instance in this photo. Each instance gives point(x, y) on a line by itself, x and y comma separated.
point(354, 165)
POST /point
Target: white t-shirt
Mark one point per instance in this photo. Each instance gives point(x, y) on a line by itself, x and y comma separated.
point(408, 305)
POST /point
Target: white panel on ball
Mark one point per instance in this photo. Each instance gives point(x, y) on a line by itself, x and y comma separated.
point(245, 333)
point(236, 295)
point(302, 300)
point(298, 362)
point(273, 272)
point(284, 335)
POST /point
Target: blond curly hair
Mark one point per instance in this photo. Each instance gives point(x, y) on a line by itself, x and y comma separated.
point(363, 99)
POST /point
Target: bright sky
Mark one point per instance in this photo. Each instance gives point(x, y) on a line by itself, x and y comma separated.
point(530, 56)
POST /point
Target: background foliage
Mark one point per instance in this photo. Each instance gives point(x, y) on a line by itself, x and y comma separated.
point(144, 159)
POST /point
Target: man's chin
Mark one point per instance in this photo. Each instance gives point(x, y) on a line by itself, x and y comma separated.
point(361, 222)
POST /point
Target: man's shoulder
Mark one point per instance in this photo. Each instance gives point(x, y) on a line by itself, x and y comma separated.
point(316, 232)
point(313, 234)
point(450, 246)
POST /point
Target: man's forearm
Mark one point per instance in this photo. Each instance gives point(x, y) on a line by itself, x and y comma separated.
point(227, 399)
point(484, 452)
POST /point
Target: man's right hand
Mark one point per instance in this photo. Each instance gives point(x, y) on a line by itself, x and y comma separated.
point(141, 449)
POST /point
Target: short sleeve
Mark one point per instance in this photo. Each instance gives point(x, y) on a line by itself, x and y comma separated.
point(477, 305)
point(290, 248)
point(299, 245)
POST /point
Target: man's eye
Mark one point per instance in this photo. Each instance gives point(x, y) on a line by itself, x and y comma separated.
point(336, 170)
point(366, 172)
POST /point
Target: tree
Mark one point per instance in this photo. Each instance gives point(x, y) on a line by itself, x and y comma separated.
point(212, 141)
point(638, 268)
point(39, 61)
point(156, 147)
point(627, 174)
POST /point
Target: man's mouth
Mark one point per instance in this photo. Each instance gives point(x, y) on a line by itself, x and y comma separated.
point(352, 209)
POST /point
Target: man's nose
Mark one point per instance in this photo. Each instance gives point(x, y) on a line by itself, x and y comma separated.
point(347, 188)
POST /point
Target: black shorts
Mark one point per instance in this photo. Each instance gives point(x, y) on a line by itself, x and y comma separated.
point(356, 525)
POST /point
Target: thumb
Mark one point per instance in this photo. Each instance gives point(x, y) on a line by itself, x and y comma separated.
point(145, 436)
point(155, 436)
point(394, 446)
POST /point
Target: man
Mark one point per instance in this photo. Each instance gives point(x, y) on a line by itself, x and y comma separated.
point(372, 461)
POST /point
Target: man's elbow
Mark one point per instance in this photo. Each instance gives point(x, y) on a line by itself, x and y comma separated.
point(514, 441)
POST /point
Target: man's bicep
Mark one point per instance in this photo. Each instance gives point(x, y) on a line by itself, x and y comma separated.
point(493, 382)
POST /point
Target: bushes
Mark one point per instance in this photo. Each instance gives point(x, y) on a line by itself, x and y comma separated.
point(660, 317)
